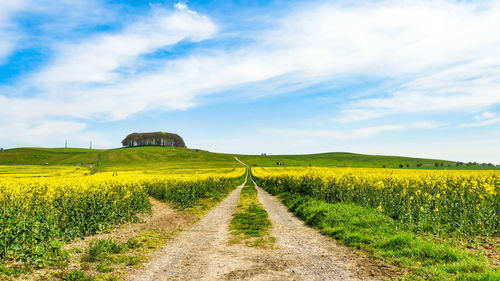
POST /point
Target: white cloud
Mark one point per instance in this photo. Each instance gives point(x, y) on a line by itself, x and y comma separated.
point(356, 133)
point(9, 36)
point(441, 92)
point(376, 130)
point(485, 115)
point(97, 59)
point(42, 131)
point(436, 46)
point(443, 53)
point(67, 88)
point(484, 119)
point(60, 15)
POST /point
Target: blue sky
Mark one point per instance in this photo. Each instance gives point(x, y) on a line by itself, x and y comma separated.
point(413, 78)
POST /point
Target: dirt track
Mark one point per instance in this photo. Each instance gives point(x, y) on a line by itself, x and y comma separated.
point(203, 251)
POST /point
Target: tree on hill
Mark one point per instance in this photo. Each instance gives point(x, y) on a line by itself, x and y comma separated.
point(153, 139)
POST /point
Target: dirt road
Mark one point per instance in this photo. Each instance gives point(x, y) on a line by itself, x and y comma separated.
point(203, 252)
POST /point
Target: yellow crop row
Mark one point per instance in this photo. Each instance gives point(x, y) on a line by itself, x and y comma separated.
point(430, 200)
point(34, 210)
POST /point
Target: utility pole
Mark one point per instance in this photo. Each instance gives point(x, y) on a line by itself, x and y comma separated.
point(66, 144)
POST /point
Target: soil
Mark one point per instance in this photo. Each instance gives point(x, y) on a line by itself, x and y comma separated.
point(164, 220)
point(203, 251)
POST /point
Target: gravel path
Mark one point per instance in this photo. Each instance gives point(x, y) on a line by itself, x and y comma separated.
point(203, 251)
point(310, 255)
point(199, 252)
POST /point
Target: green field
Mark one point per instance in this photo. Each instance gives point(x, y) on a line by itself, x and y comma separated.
point(172, 157)
point(64, 196)
point(345, 159)
point(167, 157)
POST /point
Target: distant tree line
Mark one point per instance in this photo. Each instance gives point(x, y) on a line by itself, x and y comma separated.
point(153, 139)
point(457, 164)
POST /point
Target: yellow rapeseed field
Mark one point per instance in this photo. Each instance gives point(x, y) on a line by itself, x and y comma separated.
point(439, 201)
point(37, 210)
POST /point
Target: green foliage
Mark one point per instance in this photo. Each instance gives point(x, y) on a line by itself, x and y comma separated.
point(378, 234)
point(39, 213)
point(36, 219)
point(251, 220)
point(31, 230)
point(186, 194)
point(111, 159)
point(156, 138)
point(107, 256)
point(174, 157)
point(420, 205)
point(344, 159)
point(99, 248)
point(104, 268)
point(77, 275)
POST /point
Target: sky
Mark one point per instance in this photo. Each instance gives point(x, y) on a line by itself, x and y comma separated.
point(412, 78)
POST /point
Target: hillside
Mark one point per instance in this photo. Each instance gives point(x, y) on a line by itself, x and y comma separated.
point(172, 157)
point(165, 156)
point(341, 159)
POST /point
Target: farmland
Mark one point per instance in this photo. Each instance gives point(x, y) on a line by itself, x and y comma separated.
point(344, 159)
point(43, 207)
point(172, 157)
point(399, 215)
point(431, 223)
point(167, 157)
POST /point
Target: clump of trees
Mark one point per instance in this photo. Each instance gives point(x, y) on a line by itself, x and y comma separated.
point(153, 139)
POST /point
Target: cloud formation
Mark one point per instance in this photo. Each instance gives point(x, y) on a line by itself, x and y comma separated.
point(443, 53)
point(96, 78)
point(99, 59)
point(9, 36)
point(484, 119)
point(356, 133)
point(440, 56)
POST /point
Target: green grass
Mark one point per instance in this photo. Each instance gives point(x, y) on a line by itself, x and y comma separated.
point(76, 275)
point(250, 224)
point(104, 259)
point(204, 205)
point(108, 256)
point(173, 157)
point(41, 156)
point(193, 197)
point(344, 159)
point(420, 257)
point(98, 249)
point(168, 157)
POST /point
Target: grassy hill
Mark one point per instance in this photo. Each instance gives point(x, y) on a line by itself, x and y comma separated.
point(342, 159)
point(173, 157)
point(346, 159)
point(52, 156)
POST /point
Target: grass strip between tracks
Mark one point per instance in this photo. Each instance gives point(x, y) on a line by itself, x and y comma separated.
point(250, 224)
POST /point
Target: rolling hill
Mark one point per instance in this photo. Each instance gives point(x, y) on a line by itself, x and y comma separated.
point(172, 157)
